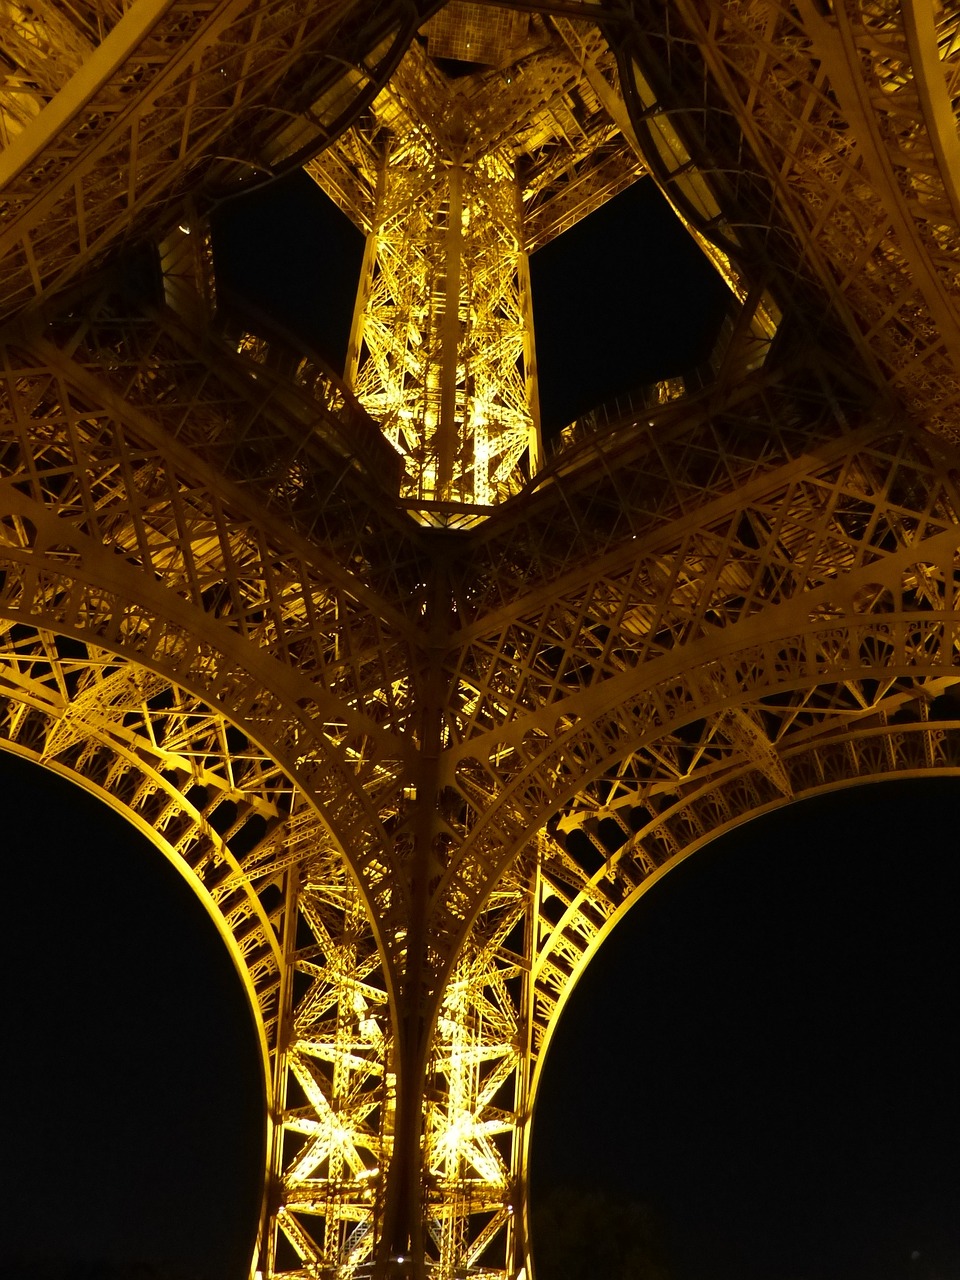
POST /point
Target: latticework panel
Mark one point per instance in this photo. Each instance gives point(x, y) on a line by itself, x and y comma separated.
point(117, 531)
point(107, 137)
point(417, 774)
point(825, 152)
point(477, 1098)
point(336, 1080)
point(448, 250)
point(284, 430)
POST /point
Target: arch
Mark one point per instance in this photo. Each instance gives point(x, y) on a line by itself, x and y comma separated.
point(592, 906)
point(158, 757)
point(132, 571)
point(892, 747)
point(851, 870)
point(254, 850)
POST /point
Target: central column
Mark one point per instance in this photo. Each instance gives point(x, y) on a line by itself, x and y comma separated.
point(441, 350)
point(450, 427)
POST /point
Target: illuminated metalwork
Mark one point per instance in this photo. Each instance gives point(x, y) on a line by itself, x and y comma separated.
point(417, 774)
point(456, 177)
point(113, 115)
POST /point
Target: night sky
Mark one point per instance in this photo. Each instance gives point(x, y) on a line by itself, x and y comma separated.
point(764, 1053)
point(132, 1104)
point(623, 298)
point(765, 1050)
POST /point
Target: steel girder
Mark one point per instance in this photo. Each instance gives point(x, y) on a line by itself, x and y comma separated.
point(417, 774)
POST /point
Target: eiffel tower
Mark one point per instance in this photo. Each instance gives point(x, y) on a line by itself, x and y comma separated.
point(419, 710)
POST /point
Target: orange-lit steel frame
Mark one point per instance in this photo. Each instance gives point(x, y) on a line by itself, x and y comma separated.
point(418, 712)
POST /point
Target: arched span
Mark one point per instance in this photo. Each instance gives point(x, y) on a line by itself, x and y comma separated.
point(770, 1032)
point(575, 922)
point(58, 579)
point(586, 888)
point(254, 850)
point(148, 510)
point(162, 759)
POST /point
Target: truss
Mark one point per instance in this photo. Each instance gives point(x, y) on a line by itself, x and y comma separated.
point(417, 773)
point(455, 181)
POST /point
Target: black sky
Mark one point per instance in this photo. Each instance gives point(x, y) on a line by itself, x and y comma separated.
point(132, 1104)
point(290, 252)
point(765, 1050)
point(622, 299)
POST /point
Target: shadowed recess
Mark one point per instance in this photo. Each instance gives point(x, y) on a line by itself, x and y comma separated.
point(133, 1134)
point(289, 251)
point(622, 299)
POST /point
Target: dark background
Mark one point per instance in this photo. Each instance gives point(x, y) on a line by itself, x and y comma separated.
point(757, 1075)
point(765, 1050)
point(622, 299)
point(132, 1097)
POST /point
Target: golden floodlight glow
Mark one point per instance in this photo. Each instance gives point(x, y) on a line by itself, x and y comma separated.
point(416, 781)
point(477, 152)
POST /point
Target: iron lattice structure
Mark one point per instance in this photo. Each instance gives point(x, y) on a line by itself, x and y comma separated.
point(455, 181)
point(419, 769)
